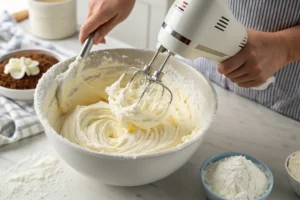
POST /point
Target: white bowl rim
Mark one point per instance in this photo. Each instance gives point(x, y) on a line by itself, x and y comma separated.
point(3, 57)
point(286, 166)
point(24, 50)
point(131, 156)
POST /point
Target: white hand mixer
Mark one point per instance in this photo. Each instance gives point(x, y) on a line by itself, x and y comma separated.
point(193, 29)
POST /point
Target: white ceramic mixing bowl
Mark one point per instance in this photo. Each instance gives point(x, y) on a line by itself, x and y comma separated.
point(115, 169)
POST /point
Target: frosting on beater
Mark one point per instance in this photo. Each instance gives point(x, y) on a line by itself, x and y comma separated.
point(125, 105)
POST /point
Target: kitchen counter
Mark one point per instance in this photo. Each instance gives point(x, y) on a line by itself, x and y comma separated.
point(241, 125)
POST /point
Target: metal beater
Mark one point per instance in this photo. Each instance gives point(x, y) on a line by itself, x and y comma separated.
point(159, 96)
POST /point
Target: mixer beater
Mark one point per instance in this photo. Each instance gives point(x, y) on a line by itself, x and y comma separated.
point(153, 96)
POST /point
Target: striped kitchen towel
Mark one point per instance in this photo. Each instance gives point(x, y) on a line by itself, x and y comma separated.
point(17, 118)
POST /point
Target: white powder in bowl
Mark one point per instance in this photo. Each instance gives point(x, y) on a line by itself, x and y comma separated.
point(236, 178)
point(294, 165)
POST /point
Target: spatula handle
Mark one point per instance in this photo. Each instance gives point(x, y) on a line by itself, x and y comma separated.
point(87, 46)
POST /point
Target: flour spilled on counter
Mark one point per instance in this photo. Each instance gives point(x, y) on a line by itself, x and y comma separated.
point(37, 176)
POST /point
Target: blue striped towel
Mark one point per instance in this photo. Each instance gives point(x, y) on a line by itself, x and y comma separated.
point(17, 118)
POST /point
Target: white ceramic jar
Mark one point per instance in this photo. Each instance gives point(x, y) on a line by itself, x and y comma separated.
point(52, 19)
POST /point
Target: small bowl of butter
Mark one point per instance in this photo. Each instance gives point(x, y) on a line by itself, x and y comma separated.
point(237, 176)
point(292, 166)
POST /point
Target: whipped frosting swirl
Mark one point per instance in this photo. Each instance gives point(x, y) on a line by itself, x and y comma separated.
point(105, 122)
point(95, 127)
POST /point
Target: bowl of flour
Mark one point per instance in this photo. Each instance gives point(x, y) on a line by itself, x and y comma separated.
point(236, 176)
point(292, 166)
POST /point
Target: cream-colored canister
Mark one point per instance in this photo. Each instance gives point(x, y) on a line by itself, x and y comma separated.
point(52, 19)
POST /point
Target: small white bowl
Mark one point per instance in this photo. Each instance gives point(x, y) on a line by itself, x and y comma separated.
point(26, 94)
point(295, 185)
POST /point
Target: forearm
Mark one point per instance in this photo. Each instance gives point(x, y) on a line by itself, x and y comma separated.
point(291, 39)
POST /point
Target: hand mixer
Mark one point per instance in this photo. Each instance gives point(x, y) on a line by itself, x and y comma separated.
point(193, 29)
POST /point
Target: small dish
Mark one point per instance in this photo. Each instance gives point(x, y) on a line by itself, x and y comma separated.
point(294, 183)
point(24, 94)
point(213, 196)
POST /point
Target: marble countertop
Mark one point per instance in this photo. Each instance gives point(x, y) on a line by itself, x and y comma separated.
point(241, 125)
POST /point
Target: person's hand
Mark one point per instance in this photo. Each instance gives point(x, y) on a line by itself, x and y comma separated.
point(264, 54)
point(103, 16)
